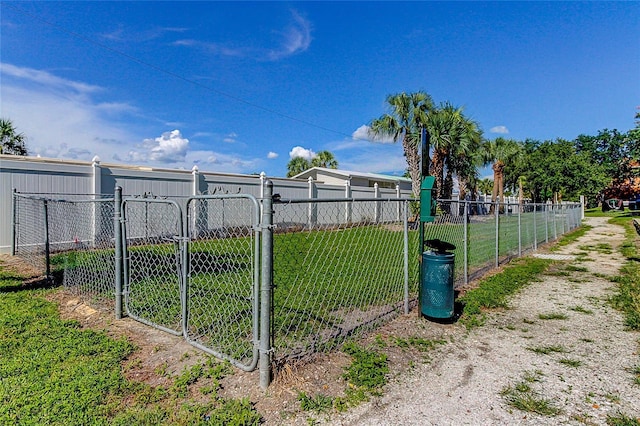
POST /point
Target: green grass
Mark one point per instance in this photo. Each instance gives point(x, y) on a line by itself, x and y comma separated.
point(571, 237)
point(581, 309)
point(627, 298)
point(570, 362)
point(365, 376)
point(494, 291)
point(53, 372)
point(545, 350)
point(622, 420)
point(522, 397)
point(552, 316)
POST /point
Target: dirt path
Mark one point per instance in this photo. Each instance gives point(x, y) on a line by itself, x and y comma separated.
point(585, 374)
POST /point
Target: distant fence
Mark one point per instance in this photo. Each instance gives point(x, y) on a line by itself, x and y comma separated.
point(221, 269)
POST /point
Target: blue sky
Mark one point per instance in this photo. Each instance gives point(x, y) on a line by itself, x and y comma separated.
point(242, 86)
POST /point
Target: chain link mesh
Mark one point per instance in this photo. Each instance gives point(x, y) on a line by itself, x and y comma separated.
point(222, 284)
point(30, 238)
point(82, 233)
point(153, 285)
point(338, 268)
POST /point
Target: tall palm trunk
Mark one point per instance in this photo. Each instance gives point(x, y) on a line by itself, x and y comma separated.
point(497, 194)
point(413, 163)
point(438, 172)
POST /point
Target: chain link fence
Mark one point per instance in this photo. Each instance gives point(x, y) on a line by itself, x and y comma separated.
point(338, 267)
point(196, 267)
point(69, 240)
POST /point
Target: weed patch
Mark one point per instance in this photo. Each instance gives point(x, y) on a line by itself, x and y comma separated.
point(493, 291)
point(545, 350)
point(552, 316)
point(522, 397)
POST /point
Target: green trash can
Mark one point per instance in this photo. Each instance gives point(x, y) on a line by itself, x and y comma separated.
point(436, 287)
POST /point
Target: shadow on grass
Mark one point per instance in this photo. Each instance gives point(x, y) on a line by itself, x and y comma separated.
point(36, 283)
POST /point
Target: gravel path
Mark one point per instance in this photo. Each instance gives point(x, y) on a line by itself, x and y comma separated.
point(586, 373)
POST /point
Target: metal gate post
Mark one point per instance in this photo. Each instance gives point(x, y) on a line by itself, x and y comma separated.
point(117, 234)
point(266, 286)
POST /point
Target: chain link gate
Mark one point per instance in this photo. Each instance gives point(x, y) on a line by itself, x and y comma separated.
point(153, 285)
point(197, 277)
point(223, 279)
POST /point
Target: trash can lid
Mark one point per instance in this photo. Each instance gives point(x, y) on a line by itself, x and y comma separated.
point(439, 245)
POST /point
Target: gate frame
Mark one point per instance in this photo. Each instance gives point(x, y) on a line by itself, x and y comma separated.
point(177, 239)
point(255, 226)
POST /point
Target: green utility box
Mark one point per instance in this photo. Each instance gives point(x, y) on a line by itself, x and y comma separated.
point(427, 199)
point(436, 287)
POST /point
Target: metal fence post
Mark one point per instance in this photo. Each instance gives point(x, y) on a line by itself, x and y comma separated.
point(47, 253)
point(554, 210)
point(497, 213)
point(117, 234)
point(13, 222)
point(546, 223)
point(519, 233)
point(405, 224)
point(535, 230)
point(376, 211)
point(465, 239)
point(347, 205)
point(266, 286)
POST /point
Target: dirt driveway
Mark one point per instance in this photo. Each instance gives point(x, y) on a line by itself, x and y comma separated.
point(561, 343)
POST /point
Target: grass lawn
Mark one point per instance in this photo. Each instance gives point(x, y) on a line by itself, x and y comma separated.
point(54, 373)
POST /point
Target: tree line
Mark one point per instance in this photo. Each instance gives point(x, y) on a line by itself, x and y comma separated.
point(599, 166)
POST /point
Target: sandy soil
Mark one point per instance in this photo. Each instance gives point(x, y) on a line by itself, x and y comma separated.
point(459, 382)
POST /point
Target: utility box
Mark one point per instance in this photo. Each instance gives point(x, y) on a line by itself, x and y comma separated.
point(436, 286)
point(427, 199)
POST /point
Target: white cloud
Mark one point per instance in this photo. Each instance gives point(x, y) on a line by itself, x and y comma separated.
point(230, 138)
point(364, 133)
point(292, 40)
point(296, 38)
point(171, 147)
point(499, 129)
point(62, 119)
point(298, 151)
point(45, 78)
point(271, 155)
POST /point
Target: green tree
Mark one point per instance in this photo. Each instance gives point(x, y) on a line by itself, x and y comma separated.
point(455, 141)
point(297, 165)
point(324, 159)
point(407, 115)
point(13, 143)
point(557, 171)
point(501, 153)
point(485, 185)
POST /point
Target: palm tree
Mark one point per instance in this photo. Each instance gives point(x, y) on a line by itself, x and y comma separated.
point(485, 185)
point(13, 143)
point(406, 117)
point(324, 159)
point(454, 139)
point(297, 165)
point(501, 153)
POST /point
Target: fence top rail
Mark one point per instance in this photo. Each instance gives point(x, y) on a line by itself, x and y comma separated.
point(338, 200)
point(49, 197)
